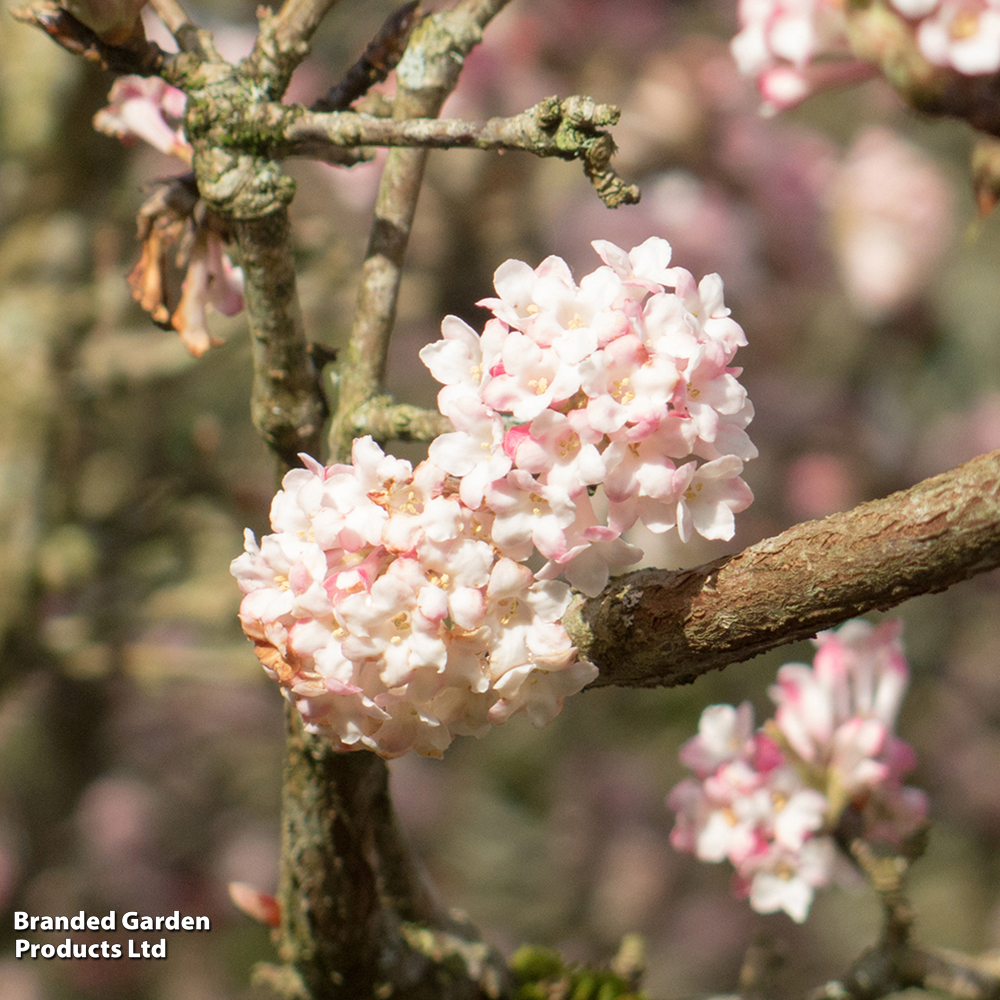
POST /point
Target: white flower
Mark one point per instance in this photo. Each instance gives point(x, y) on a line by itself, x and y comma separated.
point(709, 497)
point(725, 734)
point(788, 880)
point(963, 34)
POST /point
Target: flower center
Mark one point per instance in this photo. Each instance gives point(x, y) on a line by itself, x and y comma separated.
point(964, 25)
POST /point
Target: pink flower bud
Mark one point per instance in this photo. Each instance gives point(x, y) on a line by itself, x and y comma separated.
point(254, 903)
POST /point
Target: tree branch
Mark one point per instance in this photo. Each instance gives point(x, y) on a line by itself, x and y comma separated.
point(287, 404)
point(570, 129)
point(189, 37)
point(283, 41)
point(657, 628)
point(896, 963)
point(75, 37)
point(358, 917)
point(389, 421)
point(427, 74)
point(380, 57)
point(881, 35)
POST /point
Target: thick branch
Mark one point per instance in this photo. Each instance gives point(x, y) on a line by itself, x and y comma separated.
point(356, 911)
point(356, 920)
point(657, 628)
point(287, 404)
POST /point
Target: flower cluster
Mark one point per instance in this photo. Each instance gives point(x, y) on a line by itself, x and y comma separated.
point(174, 224)
point(613, 381)
point(890, 215)
point(393, 605)
point(771, 801)
point(779, 40)
point(388, 617)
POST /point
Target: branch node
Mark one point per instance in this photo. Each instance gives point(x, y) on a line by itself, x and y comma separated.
point(240, 185)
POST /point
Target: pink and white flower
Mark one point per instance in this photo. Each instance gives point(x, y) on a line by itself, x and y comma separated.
point(770, 801)
point(388, 617)
point(796, 47)
point(175, 227)
point(962, 34)
point(393, 605)
point(610, 381)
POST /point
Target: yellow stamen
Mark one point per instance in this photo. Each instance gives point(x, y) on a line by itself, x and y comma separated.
point(620, 391)
point(568, 445)
point(964, 25)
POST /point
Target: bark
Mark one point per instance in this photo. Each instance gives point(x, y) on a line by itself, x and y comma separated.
point(358, 917)
point(287, 404)
point(657, 628)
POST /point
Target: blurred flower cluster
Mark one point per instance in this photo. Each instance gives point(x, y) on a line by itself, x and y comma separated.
point(394, 605)
point(777, 802)
point(780, 39)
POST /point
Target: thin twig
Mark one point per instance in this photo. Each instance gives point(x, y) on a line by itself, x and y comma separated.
point(380, 57)
point(427, 75)
point(297, 20)
point(189, 37)
point(364, 366)
point(518, 132)
point(658, 628)
point(573, 128)
point(881, 971)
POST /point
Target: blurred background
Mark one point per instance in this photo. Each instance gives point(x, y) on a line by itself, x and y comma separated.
point(140, 743)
